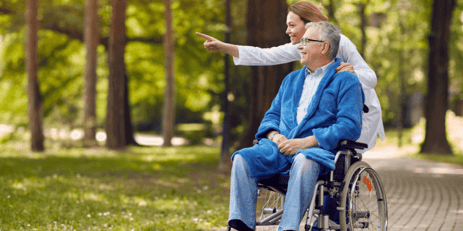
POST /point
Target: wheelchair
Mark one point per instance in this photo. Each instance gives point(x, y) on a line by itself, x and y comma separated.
point(354, 186)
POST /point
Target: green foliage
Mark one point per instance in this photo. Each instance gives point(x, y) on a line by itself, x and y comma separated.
point(150, 188)
point(456, 54)
point(402, 31)
point(62, 61)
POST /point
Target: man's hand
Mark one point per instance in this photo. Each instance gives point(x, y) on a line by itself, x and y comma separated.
point(345, 67)
point(290, 147)
point(279, 138)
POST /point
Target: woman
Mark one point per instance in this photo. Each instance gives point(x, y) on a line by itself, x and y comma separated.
point(298, 15)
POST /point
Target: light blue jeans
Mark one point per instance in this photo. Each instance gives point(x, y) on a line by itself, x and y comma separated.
point(243, 193)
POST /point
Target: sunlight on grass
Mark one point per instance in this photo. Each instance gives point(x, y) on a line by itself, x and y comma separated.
point(142, 188)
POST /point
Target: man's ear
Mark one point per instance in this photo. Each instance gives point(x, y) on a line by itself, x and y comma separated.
point(325, 47)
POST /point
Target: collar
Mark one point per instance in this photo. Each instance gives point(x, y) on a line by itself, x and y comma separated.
point(320, 70)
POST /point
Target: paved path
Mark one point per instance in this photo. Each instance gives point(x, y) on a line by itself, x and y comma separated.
point(421, 195)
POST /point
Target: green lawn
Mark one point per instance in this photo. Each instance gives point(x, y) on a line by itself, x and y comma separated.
point(142, 188)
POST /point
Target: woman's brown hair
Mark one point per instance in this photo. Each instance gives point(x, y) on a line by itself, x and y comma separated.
point(308, 12)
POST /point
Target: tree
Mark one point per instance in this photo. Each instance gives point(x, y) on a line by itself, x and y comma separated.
point(266, 26)
point(438, 79)
point(115, 118)
point(331, 10)
point(33, 89)
point(91, 41)
point(363, 24)
point(225, 155)
point(129, 137)
point(168, 116)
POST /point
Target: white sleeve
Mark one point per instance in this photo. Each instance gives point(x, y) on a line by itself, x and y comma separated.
point(255, 56)
point(348, 53)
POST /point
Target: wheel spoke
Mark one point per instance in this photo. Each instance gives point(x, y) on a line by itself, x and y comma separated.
point(269, 202)
point(364, 197)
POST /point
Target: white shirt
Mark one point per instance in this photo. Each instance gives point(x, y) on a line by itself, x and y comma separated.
point(372, 123)
point(311, 82)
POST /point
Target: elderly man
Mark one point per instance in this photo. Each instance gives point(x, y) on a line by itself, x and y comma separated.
point(314, 109)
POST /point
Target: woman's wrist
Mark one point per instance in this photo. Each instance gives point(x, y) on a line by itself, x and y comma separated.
point(231, 49)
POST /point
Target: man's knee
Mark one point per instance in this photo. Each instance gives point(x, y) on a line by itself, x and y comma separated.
point(304, 163)
point(238, 159)
point(239, 163)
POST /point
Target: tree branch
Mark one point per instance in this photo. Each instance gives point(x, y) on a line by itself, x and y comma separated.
point(77, 34)
point(5, 11)
point(146, 40)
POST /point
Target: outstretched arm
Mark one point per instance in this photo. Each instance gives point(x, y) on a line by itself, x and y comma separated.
point(253, 56)
point(213, 44)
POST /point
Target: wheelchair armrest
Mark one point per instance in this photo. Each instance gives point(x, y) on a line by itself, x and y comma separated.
point(345, 144)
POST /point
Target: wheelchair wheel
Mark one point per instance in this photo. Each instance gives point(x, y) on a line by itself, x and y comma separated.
point(269, 207)
point(363, 199)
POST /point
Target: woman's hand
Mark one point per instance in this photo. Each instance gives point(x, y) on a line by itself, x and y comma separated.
point(213, 44)
point(345, 67)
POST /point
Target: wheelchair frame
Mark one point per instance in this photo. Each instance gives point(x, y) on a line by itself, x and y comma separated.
point(344, 184)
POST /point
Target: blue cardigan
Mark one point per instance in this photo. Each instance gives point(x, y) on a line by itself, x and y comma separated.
point(334, 114)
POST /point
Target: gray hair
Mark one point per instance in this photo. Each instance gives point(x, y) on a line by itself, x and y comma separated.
point(330, 33)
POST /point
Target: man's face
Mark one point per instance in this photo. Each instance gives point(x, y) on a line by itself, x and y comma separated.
point(312, 50)
point(296, 27)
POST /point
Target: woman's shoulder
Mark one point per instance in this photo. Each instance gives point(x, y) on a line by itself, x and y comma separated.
point(346, 42)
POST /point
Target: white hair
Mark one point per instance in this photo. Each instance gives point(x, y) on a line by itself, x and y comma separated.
point(330, 33)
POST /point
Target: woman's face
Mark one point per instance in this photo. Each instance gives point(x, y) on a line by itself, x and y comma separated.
point(296, 27)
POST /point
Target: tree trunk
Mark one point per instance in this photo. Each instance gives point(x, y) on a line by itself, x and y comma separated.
point(168, 116)
point(363, 25)
point(129, 137)
point(266, 26)
point(115, 118)
point(33, 89)
point(225, 156)
point(438, 80)
point(92, 39)
point(331, 10)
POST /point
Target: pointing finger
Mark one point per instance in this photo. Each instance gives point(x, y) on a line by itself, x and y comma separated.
point(207, 37)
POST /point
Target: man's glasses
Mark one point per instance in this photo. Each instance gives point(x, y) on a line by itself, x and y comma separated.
point(304, 41)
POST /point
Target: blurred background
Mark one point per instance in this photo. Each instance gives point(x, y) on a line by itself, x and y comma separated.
point(114, 116)
point(151, 77)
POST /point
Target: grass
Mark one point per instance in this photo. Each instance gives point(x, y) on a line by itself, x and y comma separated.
point(142, 188)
